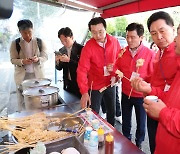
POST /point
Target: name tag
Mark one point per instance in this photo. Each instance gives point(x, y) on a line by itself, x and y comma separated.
point(166, 88)
point(134, 75)
point(106, 73)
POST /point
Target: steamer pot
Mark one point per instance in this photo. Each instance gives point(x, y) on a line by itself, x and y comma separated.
point(30, 83)
point(39, 97)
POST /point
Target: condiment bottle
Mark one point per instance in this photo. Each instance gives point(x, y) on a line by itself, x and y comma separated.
point(100, 136)
point(87, 136)
point(93, 143)
point(109, 144)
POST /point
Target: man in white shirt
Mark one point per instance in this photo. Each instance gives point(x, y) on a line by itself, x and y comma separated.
point(27, 57)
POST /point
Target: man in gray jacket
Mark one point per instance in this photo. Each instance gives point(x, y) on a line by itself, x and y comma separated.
point(28, 55)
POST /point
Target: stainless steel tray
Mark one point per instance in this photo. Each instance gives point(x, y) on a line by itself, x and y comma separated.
point(57, 115)
point(59, 146)
point(66, 143)
point(65, 123)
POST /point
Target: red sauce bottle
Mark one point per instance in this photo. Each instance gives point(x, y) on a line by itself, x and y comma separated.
point(109, 144)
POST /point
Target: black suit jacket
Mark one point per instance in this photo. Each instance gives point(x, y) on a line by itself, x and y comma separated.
point(71, 66)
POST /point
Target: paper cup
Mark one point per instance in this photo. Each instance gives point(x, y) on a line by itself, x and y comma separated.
point(152, 98)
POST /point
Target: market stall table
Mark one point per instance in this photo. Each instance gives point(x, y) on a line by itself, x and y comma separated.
point(121, 144)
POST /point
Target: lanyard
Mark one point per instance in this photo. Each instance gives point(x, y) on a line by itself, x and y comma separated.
point(160, 64)
point(162, 72)
point(104, 54)
point(103, 45)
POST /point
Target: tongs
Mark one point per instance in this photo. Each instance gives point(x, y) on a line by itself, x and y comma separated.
point(74, 113)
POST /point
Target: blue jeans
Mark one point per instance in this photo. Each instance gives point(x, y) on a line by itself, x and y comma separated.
point(127, 106)
point(108, 97)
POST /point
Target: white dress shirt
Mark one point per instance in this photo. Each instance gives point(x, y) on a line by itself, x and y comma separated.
point(28, 52)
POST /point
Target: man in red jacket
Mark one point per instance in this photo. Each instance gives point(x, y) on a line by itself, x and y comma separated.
point(93, 75)
point(160, 25)
point(166, 110)
point(128, 64)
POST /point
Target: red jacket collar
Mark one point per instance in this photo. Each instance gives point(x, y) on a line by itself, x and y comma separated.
point(108, 37)
point(139, 48)
point(170, 48)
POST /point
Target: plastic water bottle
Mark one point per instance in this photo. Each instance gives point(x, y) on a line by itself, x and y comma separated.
point(87, 136)
point(93, 143)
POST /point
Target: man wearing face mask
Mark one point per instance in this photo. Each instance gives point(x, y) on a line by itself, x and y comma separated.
point(100, 52)
point(27, 56)
point(67, 60)
point(129, 65)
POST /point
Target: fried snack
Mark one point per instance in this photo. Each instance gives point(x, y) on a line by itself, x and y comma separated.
point(31, 129)
point(119, 73)
point(140, 62)
point(30, 135)
point(35, 120)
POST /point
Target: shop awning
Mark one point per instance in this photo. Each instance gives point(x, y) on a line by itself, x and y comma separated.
point(113, 8)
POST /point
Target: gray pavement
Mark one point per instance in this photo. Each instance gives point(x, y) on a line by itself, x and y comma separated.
point(8, 92)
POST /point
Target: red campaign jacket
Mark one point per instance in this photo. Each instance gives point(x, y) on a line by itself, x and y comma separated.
point(164, 68)
point(127, 65)
point(92, 61)
point(168, 132)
